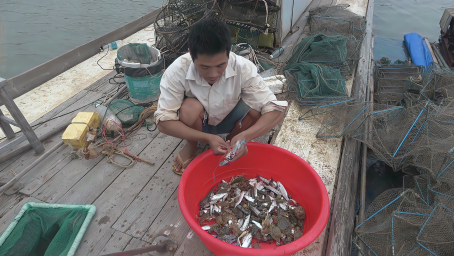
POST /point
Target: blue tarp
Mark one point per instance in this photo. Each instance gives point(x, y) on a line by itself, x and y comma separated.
point(418, 49)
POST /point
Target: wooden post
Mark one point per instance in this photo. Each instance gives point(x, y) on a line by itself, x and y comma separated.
point(20, 119)
point(343, 211)
point(6, 128)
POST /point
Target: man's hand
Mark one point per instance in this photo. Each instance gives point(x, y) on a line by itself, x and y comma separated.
point(218, 145)
point(243, 150)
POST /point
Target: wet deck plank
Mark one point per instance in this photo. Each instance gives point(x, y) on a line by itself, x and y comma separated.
point(192, 245)
point(169, 223)
point(117, 243)
point(143, 211)
point(137, 244)
point(87, 96)
point(119, 195)
point(82, 181)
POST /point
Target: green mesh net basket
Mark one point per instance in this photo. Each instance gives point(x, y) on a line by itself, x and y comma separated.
point(126, 111)
point(46, 229)
point(327, 50)
point(135, 52)
point(313, 83)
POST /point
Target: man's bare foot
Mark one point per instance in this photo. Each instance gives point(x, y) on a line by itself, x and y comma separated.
point(184, 157)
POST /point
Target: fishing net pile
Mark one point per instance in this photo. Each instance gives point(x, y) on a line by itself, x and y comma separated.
point(247, 20)
point(320, 63)
point(174, 22)
point(410, 127)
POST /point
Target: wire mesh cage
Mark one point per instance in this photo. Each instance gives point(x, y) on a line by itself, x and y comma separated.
point(337, 20)
point(173, 23)
point(393, 221)
point(313, 84)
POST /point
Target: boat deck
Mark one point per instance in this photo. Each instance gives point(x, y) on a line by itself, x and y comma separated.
point(135, 205)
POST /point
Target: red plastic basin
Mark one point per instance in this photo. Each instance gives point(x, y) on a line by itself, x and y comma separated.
point(297, 176)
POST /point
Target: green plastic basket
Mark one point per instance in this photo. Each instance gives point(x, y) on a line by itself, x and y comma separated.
point(145, 89)
point(46, 229)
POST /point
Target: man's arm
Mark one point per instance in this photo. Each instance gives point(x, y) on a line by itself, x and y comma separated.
point(178, 129)
point(265, 123)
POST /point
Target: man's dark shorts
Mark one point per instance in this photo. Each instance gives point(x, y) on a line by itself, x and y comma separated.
point(228, 123)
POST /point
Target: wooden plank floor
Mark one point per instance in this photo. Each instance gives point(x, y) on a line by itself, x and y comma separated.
point(134, 205)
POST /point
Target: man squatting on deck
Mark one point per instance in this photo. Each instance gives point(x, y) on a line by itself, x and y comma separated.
point(211, 91)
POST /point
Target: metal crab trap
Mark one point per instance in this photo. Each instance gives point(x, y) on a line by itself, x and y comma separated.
point(173, 23)
point(336, 20)
point(391, 132)
point(312, 84)
point(393, 221)
point(339, 118)
point(251, 21)
point(397, 83)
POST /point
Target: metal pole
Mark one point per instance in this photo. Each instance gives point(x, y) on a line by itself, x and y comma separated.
point(162, 244)
point(138, 251)
point(115, 96)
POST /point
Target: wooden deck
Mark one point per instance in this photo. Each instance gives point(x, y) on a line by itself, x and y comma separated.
point(134, 205)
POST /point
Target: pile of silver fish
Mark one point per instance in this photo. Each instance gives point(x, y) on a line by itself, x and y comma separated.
point(242, 209)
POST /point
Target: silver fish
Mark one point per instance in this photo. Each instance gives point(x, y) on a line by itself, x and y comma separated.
point(241, 198)
point(246, 223)
point(282, 190)
point(260, 185)
point(237, 192)
point(257, 224)
point(252, 182)
point(247, 239)
point(217, 208)
point(255, 191)
point(255, 210)
point(267, 181)
point(240, 223)
point(232, 153)
point(275, 191)
point(250, 199)
point(207, 227)
point(218, 196)
point(273, 204)
point(283, 206)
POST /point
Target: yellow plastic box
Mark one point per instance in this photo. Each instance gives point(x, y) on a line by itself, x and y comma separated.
point(75, 134)
point(92, 119)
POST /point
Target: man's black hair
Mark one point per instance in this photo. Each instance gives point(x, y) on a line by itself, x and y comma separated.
point(209, 36)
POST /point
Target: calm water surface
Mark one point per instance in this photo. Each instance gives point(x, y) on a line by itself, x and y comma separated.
point(35, 31)
point(395, 18)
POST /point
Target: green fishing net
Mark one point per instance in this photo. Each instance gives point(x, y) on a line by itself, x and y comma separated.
point(327, 50)
point(135, 53)
point(126, 111)
point(44, 231)
point(315, 83)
